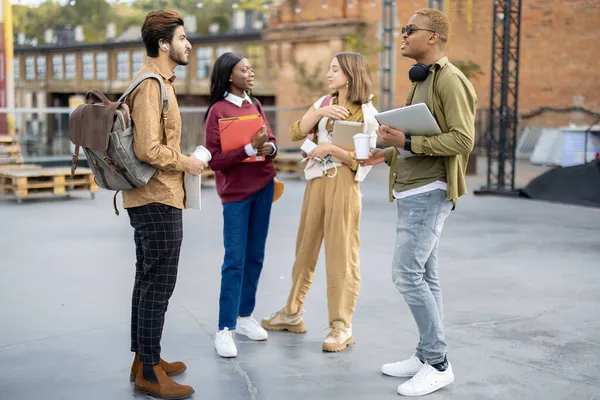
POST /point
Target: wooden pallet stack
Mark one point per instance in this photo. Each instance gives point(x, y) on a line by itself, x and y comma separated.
point(10, 151)
point(289, 164)
point(24, 181)
point(208, 177)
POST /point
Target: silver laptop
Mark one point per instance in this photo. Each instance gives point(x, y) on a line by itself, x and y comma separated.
point(415, 119)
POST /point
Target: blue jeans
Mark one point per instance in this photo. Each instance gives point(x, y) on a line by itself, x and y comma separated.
point(415, 271)
point(245, 229)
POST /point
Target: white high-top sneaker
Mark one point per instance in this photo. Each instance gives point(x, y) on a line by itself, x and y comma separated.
point(250, 328)
point(224, 344)
point(403, 369)
point(426, 381)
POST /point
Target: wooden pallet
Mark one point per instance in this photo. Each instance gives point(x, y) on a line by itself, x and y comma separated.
point(10, 151)
point(13, 160)
point(8, 139)
point(44, 182)
point(289, 163)
point(208, 177)
point(6, 167)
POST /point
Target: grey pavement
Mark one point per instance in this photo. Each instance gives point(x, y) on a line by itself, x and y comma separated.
point(521, 283)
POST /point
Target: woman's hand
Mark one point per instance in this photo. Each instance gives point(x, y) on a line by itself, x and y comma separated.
point(334, 112)
point(322, 151)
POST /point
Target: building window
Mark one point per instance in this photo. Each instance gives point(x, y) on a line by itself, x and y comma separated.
point(16, 68)
point(180, 71)
point(204, 62)
point(58, 68)
point(439, 4)
point(123, 64)
point(88, 66)
point(137, 61)
point(70, 67)
point(223, 49)
point(29, 68)
point(101, 66)
point(41, 68)
point(255, 56)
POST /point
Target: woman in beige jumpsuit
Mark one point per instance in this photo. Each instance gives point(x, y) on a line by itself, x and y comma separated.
point(332, 204)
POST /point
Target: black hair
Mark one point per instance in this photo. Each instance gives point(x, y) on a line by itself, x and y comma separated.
point(220, 75)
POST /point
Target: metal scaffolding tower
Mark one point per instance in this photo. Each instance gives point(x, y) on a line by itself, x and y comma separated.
point(504, 94)
point(388, 55)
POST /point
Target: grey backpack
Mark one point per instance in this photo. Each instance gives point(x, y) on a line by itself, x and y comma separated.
point(105, 131)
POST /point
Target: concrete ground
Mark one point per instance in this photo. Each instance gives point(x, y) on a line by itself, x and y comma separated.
point(521, 283)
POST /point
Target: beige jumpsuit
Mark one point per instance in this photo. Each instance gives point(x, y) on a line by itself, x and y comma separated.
point(331, 210)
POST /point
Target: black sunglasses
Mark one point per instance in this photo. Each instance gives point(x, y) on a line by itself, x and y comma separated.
point(409, 30)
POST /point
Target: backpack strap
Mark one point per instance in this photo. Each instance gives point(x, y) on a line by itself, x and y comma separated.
point(164, 98)
point(326, 101)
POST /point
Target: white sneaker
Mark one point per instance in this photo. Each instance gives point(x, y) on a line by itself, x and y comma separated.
point(403, 369)
point(426, 381)
point(250, 327)
point(224, 344)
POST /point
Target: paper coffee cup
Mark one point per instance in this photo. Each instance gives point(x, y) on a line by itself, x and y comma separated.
point(362, 146)
point(202, 153)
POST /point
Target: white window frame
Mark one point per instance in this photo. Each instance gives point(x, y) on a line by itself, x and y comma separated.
point(204, 62)
point(102, 66)
point(58, 67)
point(123, 65)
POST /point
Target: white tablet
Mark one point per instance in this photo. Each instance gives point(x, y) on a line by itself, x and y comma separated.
point(415, 119)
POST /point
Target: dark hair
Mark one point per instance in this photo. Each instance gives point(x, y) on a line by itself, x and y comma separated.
point(219, 77)
point(159, 25)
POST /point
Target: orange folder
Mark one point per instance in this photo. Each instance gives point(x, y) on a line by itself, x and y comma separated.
point(238, 131)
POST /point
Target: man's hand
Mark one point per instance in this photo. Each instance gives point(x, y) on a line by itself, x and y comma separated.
point(322, 151)
point(265, 150)
point(196, 166)
point(391, 137)
point(376, 156)
point(260, 138)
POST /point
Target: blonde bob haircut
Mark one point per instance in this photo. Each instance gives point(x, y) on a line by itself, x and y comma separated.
point(356, 68)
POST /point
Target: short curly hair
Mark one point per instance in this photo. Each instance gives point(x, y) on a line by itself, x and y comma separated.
point(439, 22)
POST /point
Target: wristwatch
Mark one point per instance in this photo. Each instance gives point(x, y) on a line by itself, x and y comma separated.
point(407, 144)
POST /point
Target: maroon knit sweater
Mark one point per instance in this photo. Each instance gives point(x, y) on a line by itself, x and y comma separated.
point(236, 181)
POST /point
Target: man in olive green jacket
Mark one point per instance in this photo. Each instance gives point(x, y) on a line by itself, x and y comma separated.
point(426, 185)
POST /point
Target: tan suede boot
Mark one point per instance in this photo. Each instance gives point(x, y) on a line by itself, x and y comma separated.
point(166, 388)
point(171, 369)
point(280, 321)
point(339, 338)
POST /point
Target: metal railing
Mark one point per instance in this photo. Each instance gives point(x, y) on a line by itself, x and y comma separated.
point(43, 133)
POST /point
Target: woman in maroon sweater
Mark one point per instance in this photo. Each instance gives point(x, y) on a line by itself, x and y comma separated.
point(246, 191)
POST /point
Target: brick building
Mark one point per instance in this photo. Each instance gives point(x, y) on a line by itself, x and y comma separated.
point(559, 46)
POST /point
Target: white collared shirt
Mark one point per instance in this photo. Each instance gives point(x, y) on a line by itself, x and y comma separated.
point(239, 101)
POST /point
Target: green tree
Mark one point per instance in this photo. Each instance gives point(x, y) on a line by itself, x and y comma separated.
point(469, 68)
point(94, 15)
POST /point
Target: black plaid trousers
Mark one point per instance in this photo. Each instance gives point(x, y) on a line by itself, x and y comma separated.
point(158, 233)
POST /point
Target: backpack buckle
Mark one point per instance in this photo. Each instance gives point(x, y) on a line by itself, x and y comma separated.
point(109, 161)
point(75, 161)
